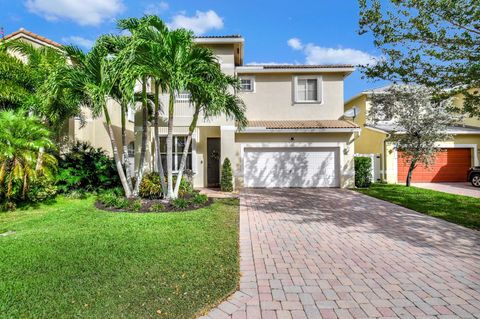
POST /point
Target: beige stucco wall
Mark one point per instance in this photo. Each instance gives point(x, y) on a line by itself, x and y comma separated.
point(273, 98)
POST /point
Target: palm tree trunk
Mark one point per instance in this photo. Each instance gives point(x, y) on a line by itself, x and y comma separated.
point(413, 164)
point(116, 157)
point(171, 107)
point(126, 160)
point(181, 169)
point(157, 139)
point(39, 164)
point(143, 150)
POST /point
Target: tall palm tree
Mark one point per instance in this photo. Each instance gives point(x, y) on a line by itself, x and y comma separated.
point(21, 139)
point(210, 95)
point(92, 76)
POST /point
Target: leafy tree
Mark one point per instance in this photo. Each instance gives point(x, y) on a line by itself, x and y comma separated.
point(21, 139)
point(419, 122)
point(226, 183)
point(435, 43)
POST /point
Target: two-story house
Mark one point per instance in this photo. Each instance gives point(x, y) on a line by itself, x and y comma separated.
point(295, 136)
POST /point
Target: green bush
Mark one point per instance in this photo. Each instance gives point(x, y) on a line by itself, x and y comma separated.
point(179, 203)
point(87, 168)
point(226, 181)
point(363, 172)
point(186, 187)
point(42, 188)
point(135, 205)
point(200, 199)
point(150, 187)
point(114, 199)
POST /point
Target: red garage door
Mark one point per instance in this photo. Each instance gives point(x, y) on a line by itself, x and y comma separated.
point(451, 165)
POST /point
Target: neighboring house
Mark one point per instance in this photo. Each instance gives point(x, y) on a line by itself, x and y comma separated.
point(85, 128)
point(452, 162)
point(295, 136)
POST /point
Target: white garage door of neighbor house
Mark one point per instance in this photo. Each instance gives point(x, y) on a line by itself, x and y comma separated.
point(291, 167)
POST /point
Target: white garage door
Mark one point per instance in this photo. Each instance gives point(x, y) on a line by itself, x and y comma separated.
point(291, 167)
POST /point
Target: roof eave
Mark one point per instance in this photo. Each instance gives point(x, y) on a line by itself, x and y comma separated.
point(256, 70)
point(219, 40)
point(299, 130)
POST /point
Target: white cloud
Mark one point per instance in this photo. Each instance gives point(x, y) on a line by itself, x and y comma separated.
point(295, 43)
point(157, 8)
point(83, 12)
point(81, 42)
point(200, 23)
point(315, 54)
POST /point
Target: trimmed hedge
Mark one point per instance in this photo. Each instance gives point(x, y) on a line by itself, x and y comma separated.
point(363, 172)
point(226, 182)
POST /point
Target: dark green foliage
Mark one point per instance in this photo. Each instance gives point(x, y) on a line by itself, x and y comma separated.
point(200, 199)
point(86, 168)
point(186, 187)
point(41, 189)
point(226, 182)
point(180, 203)
point(435, 43)
point(113, 198)
point(150, 187)
point(157, 208)
point(363, 172)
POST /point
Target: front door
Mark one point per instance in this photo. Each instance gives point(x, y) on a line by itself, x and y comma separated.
point(213, 162)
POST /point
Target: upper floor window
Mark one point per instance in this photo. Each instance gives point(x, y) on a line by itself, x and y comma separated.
point(182, 96)
point(247, 84)
point(308, 89)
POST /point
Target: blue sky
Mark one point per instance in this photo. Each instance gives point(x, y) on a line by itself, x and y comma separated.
point(275, 31)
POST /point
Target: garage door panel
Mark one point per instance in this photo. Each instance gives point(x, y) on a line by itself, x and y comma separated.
point(291, 167)
point(451, 165)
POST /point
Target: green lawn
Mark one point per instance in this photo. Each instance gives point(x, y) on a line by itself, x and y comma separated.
point(457, 209)
point(70, 260)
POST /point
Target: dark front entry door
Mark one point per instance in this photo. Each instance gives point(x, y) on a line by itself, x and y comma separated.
point(213, 162)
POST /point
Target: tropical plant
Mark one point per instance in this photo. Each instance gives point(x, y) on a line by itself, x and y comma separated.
point(150, 187)
point(86, 168)
point(435, 43)
point(226, 181)
point(420, 122)
point(21, 139)
point(25, 71)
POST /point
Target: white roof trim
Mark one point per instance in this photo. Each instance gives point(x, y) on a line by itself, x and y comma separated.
point(261, 69)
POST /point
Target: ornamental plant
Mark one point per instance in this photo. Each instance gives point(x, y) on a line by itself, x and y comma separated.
point(226, 182)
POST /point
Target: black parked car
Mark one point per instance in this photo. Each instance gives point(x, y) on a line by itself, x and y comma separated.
point(474, 176)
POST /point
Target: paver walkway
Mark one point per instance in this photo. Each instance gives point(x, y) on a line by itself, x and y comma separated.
point(328, 253)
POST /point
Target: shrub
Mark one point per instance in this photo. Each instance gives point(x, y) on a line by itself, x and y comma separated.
point(135, 205)
point(186, 187)
point(114, 199)
point(42, 188)
point(226, 182)
point(87, 168)
point(179, 203)
point(150, 187)
point(157, 207)
point(363, 172)
point(77, 194)
point(200, 199)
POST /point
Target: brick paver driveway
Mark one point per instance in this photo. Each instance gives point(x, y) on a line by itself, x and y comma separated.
point(328, 253)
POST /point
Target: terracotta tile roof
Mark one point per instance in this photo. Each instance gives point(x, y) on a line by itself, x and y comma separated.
point(32, 35)
point(307, 124)
point(301, 66)
point(218, 36)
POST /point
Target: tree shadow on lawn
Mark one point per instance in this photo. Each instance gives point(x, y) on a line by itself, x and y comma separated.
point(359, 213)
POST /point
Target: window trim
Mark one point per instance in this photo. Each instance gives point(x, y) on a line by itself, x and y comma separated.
point(248, 77)
point(319, 79)
point(193, 153)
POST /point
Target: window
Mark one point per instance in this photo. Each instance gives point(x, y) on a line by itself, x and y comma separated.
point(178, 147)
point(131, 149)
point(247, 84)
point(182, 96)
point(308, 89)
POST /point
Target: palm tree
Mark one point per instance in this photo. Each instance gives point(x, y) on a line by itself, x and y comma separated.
point(210, 94)
point(21, 139)
point(93, 77)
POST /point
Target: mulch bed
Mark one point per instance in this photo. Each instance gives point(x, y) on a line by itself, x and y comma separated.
point(147, 205)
